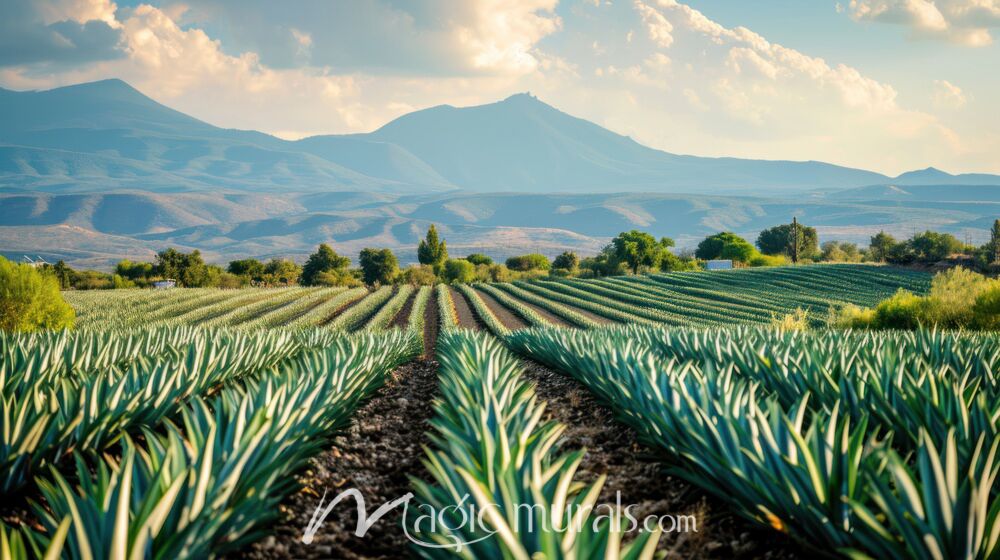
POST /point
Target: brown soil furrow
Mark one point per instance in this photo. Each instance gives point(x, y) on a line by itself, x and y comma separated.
point(466, 318)
point(545, 313)
point(376, 456)
point(431, 325)
point(504, 315)
point(403, 317)
point(637, 472)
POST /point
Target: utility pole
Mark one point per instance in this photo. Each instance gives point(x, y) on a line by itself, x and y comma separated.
point(995, 241)
point(795, 240)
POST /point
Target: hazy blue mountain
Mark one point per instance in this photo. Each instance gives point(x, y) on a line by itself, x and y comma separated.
point(95, 229)
point(932, 176)
point(931, 192)
point(522, 144)
point(107, 135)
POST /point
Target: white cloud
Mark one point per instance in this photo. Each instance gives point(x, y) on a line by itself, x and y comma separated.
point(659, 29)
point(948, 95)
point(966, 22)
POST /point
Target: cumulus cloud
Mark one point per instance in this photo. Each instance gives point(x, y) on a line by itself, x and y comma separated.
point(966, 22)
point(442, 37)
point(58, 34)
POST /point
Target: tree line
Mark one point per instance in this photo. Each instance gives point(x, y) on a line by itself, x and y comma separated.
point(630, 252)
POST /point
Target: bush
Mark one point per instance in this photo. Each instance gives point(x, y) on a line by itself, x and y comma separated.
point(459, 271)
point(798, 321)
point(478, 259)
point(768, 260)
point(904, 310)
point(533, 261)
point(986, 311)
point(419, 275)
point(30, 300)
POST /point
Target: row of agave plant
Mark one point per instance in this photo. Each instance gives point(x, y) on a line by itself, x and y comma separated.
point(869, 444)
point(500, 487)
point(238, 414)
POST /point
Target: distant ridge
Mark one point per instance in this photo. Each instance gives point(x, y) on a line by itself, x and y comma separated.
point(107, 135)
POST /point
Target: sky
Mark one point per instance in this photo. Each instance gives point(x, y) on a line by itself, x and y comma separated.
point(885, 85)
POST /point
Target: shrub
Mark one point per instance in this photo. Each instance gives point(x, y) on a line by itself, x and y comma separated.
point(852, 317)
point(419, 275)
point(904, 310)
point(459, 271)
point(768, 260)
point(797, 321)
point(30, 300)
point(478, 259)
point(325, 259)
point(986, 311)
point(533, 261)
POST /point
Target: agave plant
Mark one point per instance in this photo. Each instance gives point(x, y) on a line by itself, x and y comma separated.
point(493, 453)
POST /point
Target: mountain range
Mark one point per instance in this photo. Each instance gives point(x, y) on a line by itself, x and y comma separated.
point(98, 171)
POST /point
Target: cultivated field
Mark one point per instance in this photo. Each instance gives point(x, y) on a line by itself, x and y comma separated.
point(203, 422)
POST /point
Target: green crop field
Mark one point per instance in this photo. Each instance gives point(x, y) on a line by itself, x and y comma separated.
point(178, 423)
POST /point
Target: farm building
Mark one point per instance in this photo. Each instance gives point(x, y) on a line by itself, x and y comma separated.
point(164, 284)
point(721, 264)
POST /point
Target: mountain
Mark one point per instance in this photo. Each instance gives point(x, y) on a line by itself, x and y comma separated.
point(107, 135)
point(932, 176)
point(524, 145)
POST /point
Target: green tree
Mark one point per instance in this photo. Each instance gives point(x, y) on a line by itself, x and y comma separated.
point(994, 243)
point(63, 274)
point(188, 269)
point(325, 259)
point(725, 245)
point(459, 271)
point(249, 268)
point(30, 300)
point(430, 251)
point(931, 246)
point(281, 272)
point(778, 241)
point(637, 248)
point(479, 258)
point(881, 246)
point(378, 266)
point(566, 261)
point(532, 261)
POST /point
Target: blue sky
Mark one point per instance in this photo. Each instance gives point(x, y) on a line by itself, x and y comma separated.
point(887, 85)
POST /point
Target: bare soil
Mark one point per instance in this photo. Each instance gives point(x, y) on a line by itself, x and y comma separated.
point(431, 326)
point(545, 313)
point(376, 456)
point(637, 472)
point(343, 308)
point(504, 315)
point(466, 318)
point(403, 317)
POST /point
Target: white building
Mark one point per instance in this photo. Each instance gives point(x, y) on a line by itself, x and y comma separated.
point(164, 284)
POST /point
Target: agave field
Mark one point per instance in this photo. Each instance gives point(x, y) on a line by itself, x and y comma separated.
point(176, 423)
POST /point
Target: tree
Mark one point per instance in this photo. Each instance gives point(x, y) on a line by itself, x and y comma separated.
point(479, 258)
point(430, 251)
point(931, 246)
point(63, 274)
point(566, 261)
point(532, 261)
point(637, 248)
point(881, 245)
point(459, 271)
point(419, 275)
point(30, 300)
point(325, 259)
point(837, 251)
point(994, 243)
point(188, 269)
point(378, 266)
point(281, 272)
point(249, 268)
point(725, 245)
point(778, 241)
